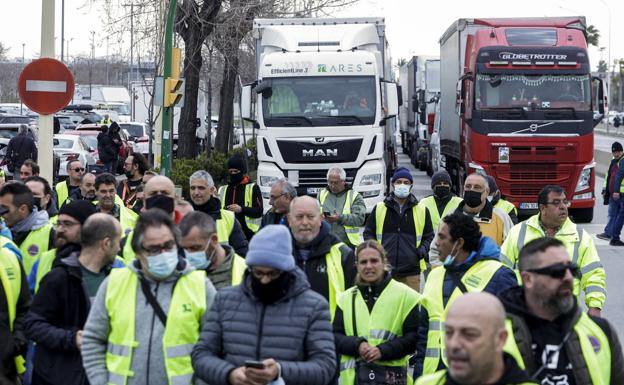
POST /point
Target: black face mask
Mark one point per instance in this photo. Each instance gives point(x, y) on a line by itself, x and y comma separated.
point(37, 203)
point(472, 198)
point(163, 202)
point(441, 191)
point(273, 291)
point(236, 178)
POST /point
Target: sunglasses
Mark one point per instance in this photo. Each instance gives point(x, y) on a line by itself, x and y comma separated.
point(558, 270)
point(78, 169)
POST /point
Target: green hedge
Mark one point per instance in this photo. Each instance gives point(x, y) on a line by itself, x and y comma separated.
point(215, 164)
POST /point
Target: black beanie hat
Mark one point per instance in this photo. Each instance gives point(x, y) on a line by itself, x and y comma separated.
point(440, 176)
point(616, 146)
point(79, 210)
point(238, 163)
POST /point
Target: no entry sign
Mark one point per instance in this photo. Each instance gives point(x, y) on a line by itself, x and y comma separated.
point(46, 86)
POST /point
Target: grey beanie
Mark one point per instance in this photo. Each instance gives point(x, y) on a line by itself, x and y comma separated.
point(440, 176)
point(271, 247)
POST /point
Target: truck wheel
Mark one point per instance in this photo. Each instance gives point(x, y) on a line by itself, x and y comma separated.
point(413, 153)
point(582, 215)
point(423, 163)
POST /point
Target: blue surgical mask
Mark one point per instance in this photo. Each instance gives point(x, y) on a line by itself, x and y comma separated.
point(402, 190)
point(199, 259)
point(162, 265)
point(451, 257)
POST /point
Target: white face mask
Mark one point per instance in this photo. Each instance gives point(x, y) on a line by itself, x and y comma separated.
point(162, 265)
point(402, 190)
point(490, 198)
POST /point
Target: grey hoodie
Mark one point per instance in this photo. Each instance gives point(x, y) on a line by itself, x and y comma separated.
point(148, 363)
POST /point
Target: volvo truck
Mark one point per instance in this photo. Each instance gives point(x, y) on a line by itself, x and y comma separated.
point(325, 96)
point(517, 103)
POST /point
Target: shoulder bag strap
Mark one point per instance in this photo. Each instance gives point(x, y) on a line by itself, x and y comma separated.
point(152, 301)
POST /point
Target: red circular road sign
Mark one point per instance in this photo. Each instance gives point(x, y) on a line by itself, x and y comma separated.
point(46, 86)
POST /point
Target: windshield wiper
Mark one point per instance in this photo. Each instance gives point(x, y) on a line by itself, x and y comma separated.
point(298, 120)
point(504, 109)
point(342, 117)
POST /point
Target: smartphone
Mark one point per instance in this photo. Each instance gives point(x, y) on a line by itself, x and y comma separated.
point(254, 364)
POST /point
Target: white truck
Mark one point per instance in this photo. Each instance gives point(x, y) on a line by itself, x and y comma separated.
point(419, 79)
point(325, 97)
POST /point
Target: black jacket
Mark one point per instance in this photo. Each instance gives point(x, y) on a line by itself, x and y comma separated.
point(390, 350)
point(108, 146)
point(235, 194)
point(237, 238)
point(399, 236)
point(20, 148)
point(273, 218)
point(60, 308)
point(315, 267)
point(544, 332)
point(12, 344)
point(512, 375)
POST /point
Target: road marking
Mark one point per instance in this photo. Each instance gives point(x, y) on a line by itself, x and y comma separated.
point(46, 86)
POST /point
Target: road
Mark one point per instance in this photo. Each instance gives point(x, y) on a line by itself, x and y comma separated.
point(612, 257)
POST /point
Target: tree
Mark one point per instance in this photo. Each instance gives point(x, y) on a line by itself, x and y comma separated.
point(593, 35)
point(4, 50)
point(602, 66)
point(194, 23)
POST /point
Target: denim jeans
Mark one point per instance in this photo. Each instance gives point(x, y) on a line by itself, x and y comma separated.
point(619, 218)
point(612, 216)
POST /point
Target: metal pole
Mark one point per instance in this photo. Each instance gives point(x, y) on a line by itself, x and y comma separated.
point(610, 64)
point(23, 63)
point(46, 122)
point(107, 82)
point(167, 114)
point(91, 63)
point(62, 30)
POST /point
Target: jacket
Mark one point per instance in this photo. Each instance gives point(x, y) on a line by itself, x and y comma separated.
point(579, 245)
point(108, 147)
point(399, 236)
point(336, 202)
point(295, 331)
point(60, 308)
point(315, 267)
point(523, 325)
point(502, 279)
point(237, 238)
point(235, 194)
point(273, 218)
point(619, 178)
point(147, 360)
point(20, 148)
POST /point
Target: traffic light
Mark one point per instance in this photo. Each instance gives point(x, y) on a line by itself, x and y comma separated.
point(173, 93)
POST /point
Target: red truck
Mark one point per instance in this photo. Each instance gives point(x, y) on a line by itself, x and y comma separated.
point(517, 103)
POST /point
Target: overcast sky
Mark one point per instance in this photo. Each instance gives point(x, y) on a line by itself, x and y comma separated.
point(413, 26)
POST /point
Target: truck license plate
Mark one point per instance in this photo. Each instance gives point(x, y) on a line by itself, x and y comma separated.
point(313, 190)
point(528, 205)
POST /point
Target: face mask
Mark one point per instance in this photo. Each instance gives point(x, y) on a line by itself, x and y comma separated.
point(270, 292)
point(451, 257)
point(472, 198)
point(37, 203)
point(163, 202)
point(402, 190)
point(489, 198)
point(236, 178)
point(162, 265)
point(441, 191)
point(199, 259)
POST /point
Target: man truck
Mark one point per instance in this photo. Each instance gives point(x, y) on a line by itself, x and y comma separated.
point(517, 102)
point(325, 96)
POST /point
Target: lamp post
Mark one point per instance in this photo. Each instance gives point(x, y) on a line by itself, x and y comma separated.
point(23, 63)
point(609, 68)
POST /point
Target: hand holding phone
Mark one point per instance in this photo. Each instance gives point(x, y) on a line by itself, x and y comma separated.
point(254, 364)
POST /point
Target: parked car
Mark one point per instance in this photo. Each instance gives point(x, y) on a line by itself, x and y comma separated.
point(139, 134)
point(7, 131)
point(127, 146)
point(90, 138)
point(70, 147)
point(81, 113)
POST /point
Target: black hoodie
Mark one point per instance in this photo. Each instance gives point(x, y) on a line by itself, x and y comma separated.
point(548, 335)
point(512, 375)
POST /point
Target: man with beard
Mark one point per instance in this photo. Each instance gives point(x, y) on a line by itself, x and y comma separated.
point(86, 189)
point(66, 239)
point(328, 263)
point(553, 221)
point(135, 166)
point(474, 337)
point(60, 308)
point(549, 334)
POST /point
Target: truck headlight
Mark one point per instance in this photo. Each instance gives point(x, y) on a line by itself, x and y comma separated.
point(584, 180)
point(267, 181)
point(370, 179)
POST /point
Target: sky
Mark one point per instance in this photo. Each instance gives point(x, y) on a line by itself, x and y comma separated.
point(412, 26)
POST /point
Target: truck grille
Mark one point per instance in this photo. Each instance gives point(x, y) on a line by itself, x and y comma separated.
point(318, 179)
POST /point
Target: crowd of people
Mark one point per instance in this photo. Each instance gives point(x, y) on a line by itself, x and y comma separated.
point(124, 283)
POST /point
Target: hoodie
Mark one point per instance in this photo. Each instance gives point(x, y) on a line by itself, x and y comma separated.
point(148, 363)
point(547, 335)
point(311, 259)
point(503, 279)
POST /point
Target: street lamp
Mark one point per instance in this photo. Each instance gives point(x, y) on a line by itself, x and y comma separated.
point(23, 62)
point(609, 63)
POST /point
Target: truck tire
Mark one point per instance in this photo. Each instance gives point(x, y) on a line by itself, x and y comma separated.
point(423, 163)
point(414, 154)
point(582, 215)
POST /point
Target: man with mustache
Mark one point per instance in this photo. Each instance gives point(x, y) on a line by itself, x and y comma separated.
point(553, 221)
point(474, 337)
point(549, 334)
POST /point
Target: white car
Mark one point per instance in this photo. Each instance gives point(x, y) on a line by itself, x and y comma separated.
point(70, 147)
point(139, 134)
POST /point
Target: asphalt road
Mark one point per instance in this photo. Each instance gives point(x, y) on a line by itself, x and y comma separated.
point(612, 257)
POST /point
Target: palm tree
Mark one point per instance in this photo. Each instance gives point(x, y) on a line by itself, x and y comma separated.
point(593, 35)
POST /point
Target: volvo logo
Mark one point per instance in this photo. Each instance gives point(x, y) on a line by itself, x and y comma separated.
point(320, 152)
point(533, 127)
point(319, 139)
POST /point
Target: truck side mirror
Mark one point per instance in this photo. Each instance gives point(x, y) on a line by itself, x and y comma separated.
point(422, 107)
point(400, 95)
point(391, 100)
point(600, 94)
point(414, 103)
point(246, 103)
point(460, 94)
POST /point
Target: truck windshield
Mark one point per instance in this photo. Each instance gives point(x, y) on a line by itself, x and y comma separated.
point(533, 92)
point(320, 101)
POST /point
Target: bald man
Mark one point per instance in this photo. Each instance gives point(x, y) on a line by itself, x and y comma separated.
point(475, 335)
point(328, 263)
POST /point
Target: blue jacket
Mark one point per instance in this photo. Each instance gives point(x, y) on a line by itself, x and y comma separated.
point(503, 279)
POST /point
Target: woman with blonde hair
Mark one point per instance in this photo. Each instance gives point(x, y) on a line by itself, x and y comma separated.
point(376, 323)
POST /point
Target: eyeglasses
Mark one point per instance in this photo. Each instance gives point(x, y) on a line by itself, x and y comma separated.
point(558, 270)
point(66, 224)
point(559, 202)
point(269, 274)
point(155, 249)
point(78, 169)
point(272, 197)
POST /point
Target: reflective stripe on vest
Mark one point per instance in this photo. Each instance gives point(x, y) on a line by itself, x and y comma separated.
point(44, 266)
point(353, 232)
point(187, 307)
point(383, 323)
point(335, 275)
point(225, 225)
point(253, 224)
point(11, 280)
point(238, 269)
point(430, 203)
point(476, 278)
point(62, 193)
point(35, 244)
point(592, 343)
